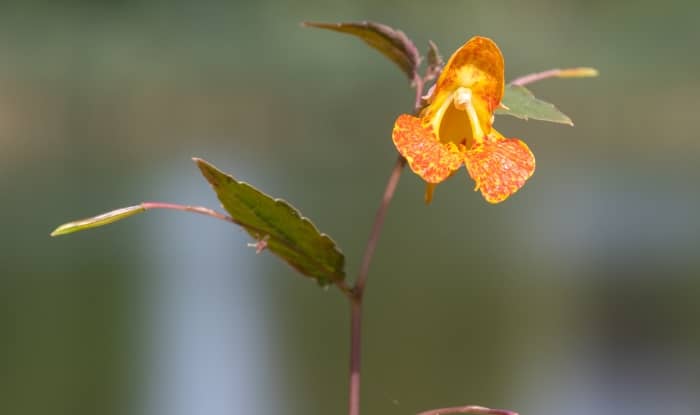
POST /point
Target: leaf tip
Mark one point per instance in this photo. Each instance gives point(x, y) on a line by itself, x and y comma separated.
point(319, 25)
point(96, 221)
point(582, 72)
point(208, 171)
point(566, 119)
point(390, 42)
point(61, 230)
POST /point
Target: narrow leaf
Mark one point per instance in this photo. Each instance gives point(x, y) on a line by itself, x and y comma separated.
point(435, 61)
point(392, 43)
point(278, 227)
point(580, 72)
point(99, 220)
point(434, 57)
point(519, 102)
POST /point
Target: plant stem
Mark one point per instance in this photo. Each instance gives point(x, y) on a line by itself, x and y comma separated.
point(345, 289)
point(555, 73)
point(185, 208)
point(358, 290)
point(377, 227)
point(338, 280)
point(355, 355)
point(419, 84)
point(469, 409)
point(386, 200)
point(534, 77)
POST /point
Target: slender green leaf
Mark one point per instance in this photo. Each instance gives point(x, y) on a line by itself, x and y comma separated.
point(392, 43)
point(99, 220)
point(519, 102)
point(277, 226)
point(580, 72)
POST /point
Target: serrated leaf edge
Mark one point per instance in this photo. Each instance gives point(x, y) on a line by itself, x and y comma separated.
point(204, 167)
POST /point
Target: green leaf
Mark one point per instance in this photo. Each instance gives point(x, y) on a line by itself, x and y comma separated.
point(99, 220)
point(392, 43)
point(278, 227)
point(521, 103)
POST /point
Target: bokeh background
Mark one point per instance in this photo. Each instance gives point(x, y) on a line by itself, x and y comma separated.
point(579, 295)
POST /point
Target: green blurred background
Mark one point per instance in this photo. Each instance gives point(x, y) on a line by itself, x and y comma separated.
point(579, 295)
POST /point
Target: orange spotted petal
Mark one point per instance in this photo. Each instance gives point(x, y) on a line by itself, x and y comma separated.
point(427, 157)
point(499, 166)
point(477, 65)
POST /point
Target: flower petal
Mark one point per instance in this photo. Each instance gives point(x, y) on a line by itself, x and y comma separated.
point(427, 157)
point(477, 65)
point(499, 166)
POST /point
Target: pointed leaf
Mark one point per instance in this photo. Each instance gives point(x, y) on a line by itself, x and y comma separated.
point(435, 61)
point(580, 72)
point(392, 43)
point(277, 226)
point(434, 57)
point(99, 220)
point(519, 102)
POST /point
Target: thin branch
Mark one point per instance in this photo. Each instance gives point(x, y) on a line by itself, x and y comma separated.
point(469, 409)
point(555, 73)
point(359, 287)
point(355, 355)
point(338, 280)
point(345, 289)
point(419, 83)
point(186, 208)
point(534, 77)
point(377, 226)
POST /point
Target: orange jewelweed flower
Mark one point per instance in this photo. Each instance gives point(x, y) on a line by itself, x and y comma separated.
point(455, 127)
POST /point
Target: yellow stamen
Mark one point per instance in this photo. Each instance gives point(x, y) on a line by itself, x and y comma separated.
point(463, 101)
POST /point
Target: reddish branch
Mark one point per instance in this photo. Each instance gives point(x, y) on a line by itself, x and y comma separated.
point(359, 289)
point(469, 409)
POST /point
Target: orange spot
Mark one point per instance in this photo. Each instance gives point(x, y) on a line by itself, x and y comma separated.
point(460, 116)
point(426, 156)
point(499, 166)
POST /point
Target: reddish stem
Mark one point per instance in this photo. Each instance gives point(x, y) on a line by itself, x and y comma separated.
point(534, 77)
point(185, 208)
point(419, 83)
point(555, 73)
point(355, 355)
point(469, 409)
point(377, 226)
point(359, 289)
point(339, 282)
